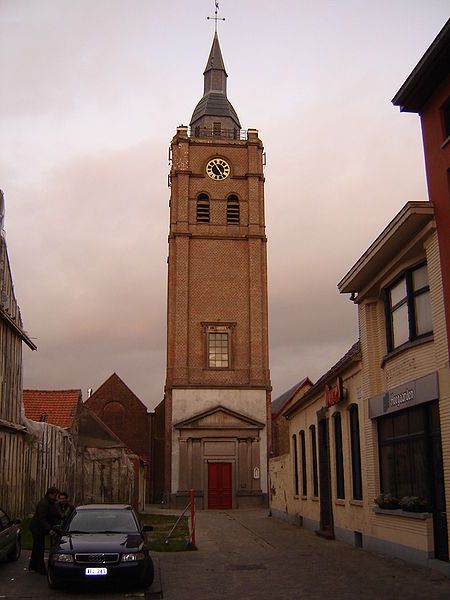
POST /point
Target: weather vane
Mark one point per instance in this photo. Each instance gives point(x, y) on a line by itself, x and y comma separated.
point(216, 18)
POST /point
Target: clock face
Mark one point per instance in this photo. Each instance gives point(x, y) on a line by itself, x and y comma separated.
point(218, 169)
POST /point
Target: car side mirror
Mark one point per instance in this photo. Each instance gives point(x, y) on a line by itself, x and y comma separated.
point(147, 528)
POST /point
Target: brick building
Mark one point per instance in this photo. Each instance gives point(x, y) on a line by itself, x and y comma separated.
point(124, 413)
point(427, 92)
point(216, 408)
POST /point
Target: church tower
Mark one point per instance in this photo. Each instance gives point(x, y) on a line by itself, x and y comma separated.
point(217, 394)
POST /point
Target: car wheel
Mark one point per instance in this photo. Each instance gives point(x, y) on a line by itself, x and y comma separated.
point(14, 553)
point(149, 576)
point(52, 584)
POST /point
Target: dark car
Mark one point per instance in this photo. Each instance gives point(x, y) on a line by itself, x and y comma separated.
point(10, 544)
point(101, 543)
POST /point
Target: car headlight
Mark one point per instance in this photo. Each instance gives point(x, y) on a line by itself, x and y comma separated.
point(133, 556)
point(67, 558)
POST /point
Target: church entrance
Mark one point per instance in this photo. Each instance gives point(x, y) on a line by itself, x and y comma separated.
point(220, 485)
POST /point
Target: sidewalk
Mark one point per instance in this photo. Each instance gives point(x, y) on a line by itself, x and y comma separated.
point(244, 554)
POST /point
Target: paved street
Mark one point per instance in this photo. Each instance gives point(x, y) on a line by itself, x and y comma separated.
point(245, 554)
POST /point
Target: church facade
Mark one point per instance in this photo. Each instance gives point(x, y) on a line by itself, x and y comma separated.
point(216, 407)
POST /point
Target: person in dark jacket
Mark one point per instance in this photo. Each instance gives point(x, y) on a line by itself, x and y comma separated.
point(42, 523)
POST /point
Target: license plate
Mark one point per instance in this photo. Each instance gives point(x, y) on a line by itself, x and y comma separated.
point(96, 571)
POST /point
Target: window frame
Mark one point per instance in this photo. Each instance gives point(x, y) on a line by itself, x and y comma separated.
point(409, 301)
point(339, 456)
point(391, 477)
point(295, 465)
point(203, 206)
point(233, 210)
point(355, 451)
point(303, 462)
point(315, 472)
point(218, 328)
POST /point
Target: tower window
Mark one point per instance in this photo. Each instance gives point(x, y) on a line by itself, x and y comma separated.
point(218, 354)
point(217, 129)
point(202, 209)
point(233, 211)
point(218, 345)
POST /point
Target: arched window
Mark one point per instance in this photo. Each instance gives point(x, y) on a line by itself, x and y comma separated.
point(202, 208)
point(233, 215)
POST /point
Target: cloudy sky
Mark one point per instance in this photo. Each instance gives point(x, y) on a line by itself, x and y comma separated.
point(91, 94)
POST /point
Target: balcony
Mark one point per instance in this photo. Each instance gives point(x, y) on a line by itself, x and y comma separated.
point(217, 133)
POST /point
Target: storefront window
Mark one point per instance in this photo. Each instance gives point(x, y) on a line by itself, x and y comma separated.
point(402, 439)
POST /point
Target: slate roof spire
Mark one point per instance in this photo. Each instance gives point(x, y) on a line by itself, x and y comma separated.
point(215, 106)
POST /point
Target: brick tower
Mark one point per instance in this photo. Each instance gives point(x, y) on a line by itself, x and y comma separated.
point(217, 396)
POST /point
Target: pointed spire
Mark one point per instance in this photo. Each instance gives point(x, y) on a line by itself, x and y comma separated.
point(215, 60)
point(215, 102)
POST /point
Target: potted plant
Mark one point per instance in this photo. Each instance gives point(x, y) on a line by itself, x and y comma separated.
point(387, 501)
point(414, 504)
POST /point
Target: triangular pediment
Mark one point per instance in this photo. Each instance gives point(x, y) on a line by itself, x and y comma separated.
point(219, 418)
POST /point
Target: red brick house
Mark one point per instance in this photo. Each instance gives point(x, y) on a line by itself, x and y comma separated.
point(427, 93)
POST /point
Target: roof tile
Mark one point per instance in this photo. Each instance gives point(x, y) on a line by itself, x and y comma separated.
point(57, 407)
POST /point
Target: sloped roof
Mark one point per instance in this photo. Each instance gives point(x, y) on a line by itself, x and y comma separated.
point(352, 354)
point(427, 75)
point(279, 403)
point(217, 105)
point(215, 59)
point(103, 391)
point(57, 407)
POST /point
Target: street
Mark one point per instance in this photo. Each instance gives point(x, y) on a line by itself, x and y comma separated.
point(246, 554)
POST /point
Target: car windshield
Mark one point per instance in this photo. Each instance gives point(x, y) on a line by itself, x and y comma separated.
point(101, 520)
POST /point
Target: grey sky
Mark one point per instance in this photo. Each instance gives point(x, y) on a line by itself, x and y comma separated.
point(91, 95)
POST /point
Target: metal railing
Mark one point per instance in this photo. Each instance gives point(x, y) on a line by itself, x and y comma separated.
point(220, 134)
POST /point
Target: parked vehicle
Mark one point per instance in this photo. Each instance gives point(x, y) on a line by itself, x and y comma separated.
point(10, 537)
point(101, 543)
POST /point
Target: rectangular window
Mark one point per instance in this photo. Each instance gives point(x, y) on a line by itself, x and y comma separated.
point(217, 129)
point(356, 453)
point(403, 452)
point(340, 489)
point(312, 431)
point(408, 308)
point(304, 477)
point(295, 451)
point(218, 354)
point(446, 119)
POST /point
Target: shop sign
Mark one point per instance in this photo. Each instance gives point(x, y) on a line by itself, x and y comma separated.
point(334, 393)
point(417, 391)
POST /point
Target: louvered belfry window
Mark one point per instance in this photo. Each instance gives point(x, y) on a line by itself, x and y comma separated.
point(202, 209)
point(233, 213)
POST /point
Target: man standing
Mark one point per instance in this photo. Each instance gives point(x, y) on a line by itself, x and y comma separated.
point(45, 517)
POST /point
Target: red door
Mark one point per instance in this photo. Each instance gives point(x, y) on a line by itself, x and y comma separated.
point(219, 485)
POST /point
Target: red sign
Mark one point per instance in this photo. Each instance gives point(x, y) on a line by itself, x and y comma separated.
point(334, 393)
